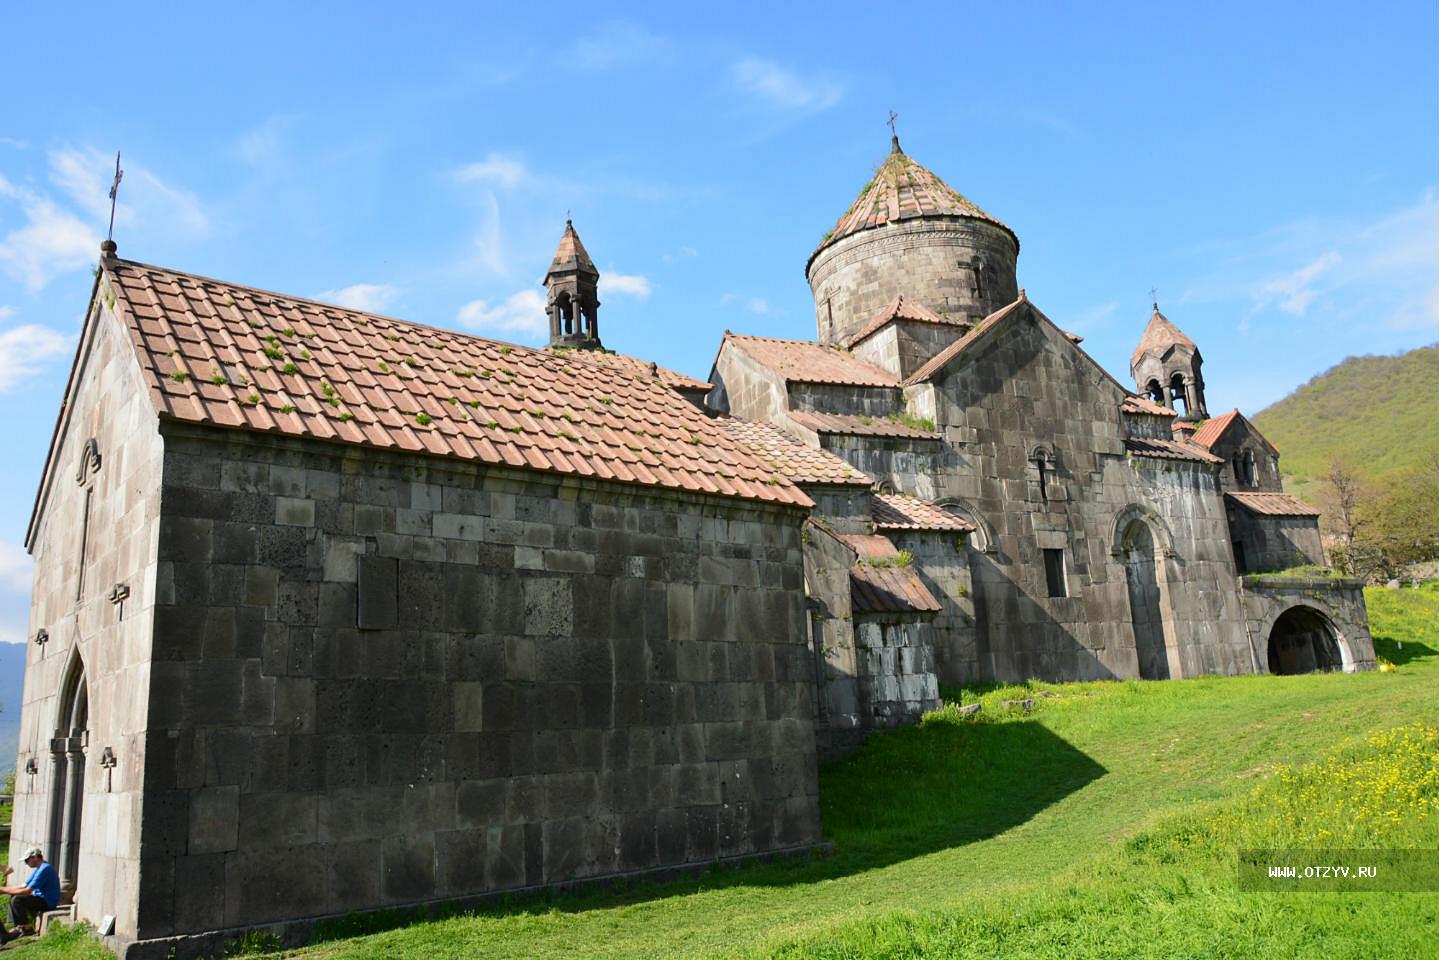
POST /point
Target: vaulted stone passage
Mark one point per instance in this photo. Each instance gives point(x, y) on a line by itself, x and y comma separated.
point(1145, 607)
point(1302, 642)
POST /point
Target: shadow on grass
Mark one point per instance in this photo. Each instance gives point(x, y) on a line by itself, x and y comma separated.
point(1390, 649)
point(916, 790)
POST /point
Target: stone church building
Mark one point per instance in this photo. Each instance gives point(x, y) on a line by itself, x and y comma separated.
point(432, 617)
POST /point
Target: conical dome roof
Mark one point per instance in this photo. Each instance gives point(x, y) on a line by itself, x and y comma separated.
point(571, 254)
point(1159, 336)
point(903, 189)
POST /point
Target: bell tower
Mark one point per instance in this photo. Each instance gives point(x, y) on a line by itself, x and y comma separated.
point(573, 300)
point(1166, 368)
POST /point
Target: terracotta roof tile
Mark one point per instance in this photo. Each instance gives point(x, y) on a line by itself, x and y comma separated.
point(798, 462)
point(1159, 336)
point(228, 355)
point(802, 361)
point(896, 511)
point(1142, 404)
point(901, 190)
point(878, 584)
point(636, 367)
point(1273, 504)
point(900, 308)
point(1168, 449)
point(938, 362)
point(1212, 429)
point(860, 426)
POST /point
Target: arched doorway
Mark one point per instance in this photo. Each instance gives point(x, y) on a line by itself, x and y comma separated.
point(67, 788)
point(1145, 609)
point(1302, 641)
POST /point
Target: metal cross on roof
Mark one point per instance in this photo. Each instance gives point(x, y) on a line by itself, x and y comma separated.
point(892, 118)
point(1154, 298)
point(114, 192)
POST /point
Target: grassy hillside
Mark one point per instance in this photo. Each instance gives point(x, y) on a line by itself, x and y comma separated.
point(1103, 824)
point(1382, 412)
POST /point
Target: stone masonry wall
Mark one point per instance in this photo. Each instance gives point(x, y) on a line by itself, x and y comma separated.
point(414, 680)
point(1275, 543)
point(897, 679)
point(86, 631)
point(941, 559)
point(1338, 602)
point(932, 260)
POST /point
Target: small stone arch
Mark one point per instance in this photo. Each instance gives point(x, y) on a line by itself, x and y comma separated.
point(1304, 639)
point(1163, 538)
point(982, 538)
point(68, 749)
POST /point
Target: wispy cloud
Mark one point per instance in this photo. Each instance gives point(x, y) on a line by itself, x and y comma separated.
point(16, 568)
point(626, 284)
point(757, 305)
point(497, 169)
point(1295, 291)
point(781, 88)
point(24, 350)
point(617, 43)
point(683, 253)
point(85, 175)
point(522, 312)
point(16, 144)
point(1096, 317)
point(52, 241)
point(370, 297)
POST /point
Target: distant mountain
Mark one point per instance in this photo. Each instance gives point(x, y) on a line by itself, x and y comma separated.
point(12, 686)
point(1381, 412)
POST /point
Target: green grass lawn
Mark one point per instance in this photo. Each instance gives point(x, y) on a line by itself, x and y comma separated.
point(1102, 824)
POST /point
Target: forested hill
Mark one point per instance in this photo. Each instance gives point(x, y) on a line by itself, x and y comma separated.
point(1381, 412)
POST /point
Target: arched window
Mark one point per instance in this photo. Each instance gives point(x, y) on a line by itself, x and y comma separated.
point(1043, 459)
point(1178, 394)
point(1249, 474)
point(566, 307)
point(1155, 392)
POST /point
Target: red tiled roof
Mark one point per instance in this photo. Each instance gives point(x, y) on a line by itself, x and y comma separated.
point(786, 455)
point(1212, 429)
point(896, 511)
point(1273, 504)
point(1159, 336)
point(878, 584)
point(232, 356)
point(900, 308)
point(901, 190)
point(802, 361)
point(1168, 449)
point(1140, 404)
point(635, 366)
point(851, 425)
point(938, 362)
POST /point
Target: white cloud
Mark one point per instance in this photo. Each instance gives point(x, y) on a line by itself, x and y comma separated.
point(758, 305)
point(625, 284)
point(23, 351)
point(370, 297)
point(497, 168)
point(616, 43)
point(145, 200)
point(6, 312)
point(522, 312)
point(781, 88)
point(17, 144)
point(16, 567)
point(1295, 291)
point(51, 242)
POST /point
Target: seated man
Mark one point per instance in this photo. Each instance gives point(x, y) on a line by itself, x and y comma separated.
point(41, 892)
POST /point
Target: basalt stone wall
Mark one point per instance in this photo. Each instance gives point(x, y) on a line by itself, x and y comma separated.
point(897, 678)
point(415, 680)
point(960, 268)
point(941, 559)
point(1275, 542)
point(1338, 604)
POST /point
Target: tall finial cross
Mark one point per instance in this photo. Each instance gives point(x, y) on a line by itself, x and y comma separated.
point(892, 118)
point(1154, 297)
point(114, 192)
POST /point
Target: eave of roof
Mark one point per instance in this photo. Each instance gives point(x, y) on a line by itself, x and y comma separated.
point(800, 463)
point(1168, 450)
point(860, 426)
point(804, 361)
point(897, 511)
point(1273, 504)
point(879, 583)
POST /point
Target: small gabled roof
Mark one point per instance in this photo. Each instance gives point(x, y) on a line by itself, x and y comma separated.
point(803, 361)
point(902, 189)
point(897, 511)
point(853, 425)
point(1137, 403)
point(900, 308)
point(1168, 450)
point(1159, 336)
point(1211, 431)
point(798, 462)
point(1273, 504)
point(635, 367)
point(879, 584)
point(227, 355)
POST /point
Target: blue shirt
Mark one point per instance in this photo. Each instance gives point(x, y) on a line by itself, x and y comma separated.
point(44, 882)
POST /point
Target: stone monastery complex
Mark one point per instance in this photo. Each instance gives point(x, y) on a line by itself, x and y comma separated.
point(432, 617)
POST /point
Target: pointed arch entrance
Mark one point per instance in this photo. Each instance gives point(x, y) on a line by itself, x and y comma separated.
point(67, 786)
point(1146, 608)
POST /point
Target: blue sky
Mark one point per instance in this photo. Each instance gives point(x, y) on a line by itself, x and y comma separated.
point(1270, 168)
